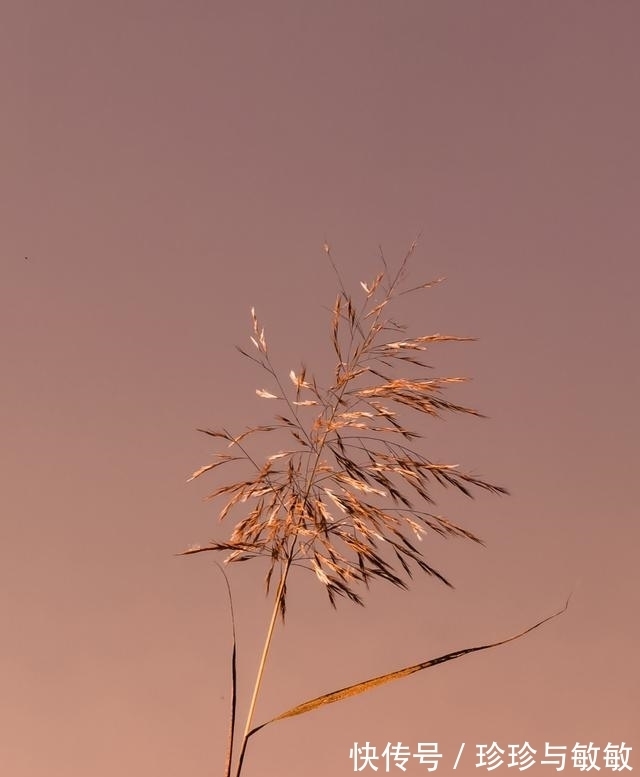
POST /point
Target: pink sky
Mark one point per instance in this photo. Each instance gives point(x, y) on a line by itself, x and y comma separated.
point(168, 165)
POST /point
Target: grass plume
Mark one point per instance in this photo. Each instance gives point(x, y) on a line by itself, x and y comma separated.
point(350, 496)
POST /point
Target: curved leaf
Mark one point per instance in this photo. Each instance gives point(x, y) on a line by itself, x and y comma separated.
point(367, 685)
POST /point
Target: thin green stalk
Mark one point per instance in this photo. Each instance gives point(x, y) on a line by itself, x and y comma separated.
point(234, 676)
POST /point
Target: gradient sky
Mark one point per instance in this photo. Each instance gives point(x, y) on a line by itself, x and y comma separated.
point(167, 165)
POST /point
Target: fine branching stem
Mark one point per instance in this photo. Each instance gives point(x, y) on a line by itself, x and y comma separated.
point(346, 499)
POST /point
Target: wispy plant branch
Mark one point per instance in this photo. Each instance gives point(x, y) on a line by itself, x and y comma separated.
point(346, 497)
